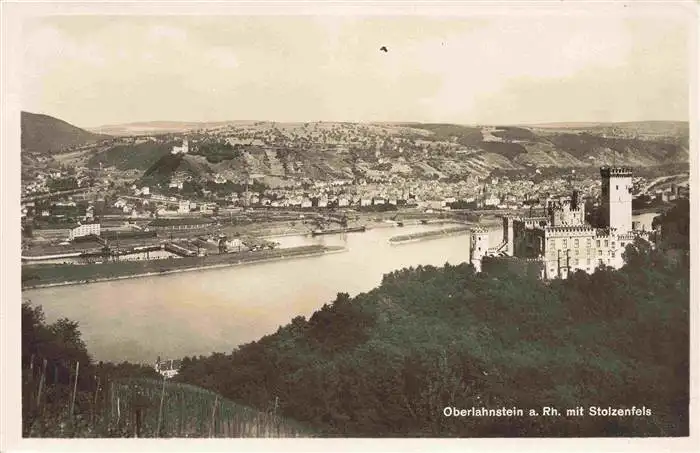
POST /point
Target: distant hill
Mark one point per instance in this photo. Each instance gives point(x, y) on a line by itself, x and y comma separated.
point(327, 150)
point(169, 166)
point(48, 135)
point(666, 128)
point(161, 127)
point(130, 157)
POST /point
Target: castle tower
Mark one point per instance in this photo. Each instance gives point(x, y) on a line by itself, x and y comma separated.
point(479, 245)
point(617, 198)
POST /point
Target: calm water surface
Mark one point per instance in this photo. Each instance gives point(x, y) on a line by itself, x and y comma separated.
point(216, 310)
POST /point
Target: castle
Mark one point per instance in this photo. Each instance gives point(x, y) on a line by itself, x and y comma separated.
point(560, 240)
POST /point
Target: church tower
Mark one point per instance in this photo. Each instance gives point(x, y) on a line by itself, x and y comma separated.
point(617, 198)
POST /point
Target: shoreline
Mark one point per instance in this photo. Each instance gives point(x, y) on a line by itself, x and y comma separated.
point(429, 236)
point(188, 269)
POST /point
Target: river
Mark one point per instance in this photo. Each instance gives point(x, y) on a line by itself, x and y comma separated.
point(195, 313)
point(201, 312)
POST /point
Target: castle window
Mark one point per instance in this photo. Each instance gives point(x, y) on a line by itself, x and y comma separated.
point(613, 244)
point(606, 242)
point(576, 262)
point(552, 245)
point(600, 262)
point(617, 187)
point(597, 243)
point(622, 244)
point(588, 242)
point(588, 261)
point(564, 244)
point(600, 252)
point(576, 252)
point(576, 243)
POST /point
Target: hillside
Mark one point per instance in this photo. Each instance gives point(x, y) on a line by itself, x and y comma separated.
point(326, 151)
point(47, 135)
point(66, 394)
point(169, 166)
point(385, 363)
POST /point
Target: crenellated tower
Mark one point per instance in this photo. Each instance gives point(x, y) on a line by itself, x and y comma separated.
point(617, 198)
point(479, 245)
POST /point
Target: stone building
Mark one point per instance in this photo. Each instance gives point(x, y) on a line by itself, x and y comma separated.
point(561, 239)
point(84, 229)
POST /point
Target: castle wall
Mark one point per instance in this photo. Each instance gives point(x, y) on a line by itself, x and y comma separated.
point(569, 251)
point(514, 265)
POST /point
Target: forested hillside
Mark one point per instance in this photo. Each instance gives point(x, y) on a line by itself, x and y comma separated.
point(46, 134)
point(387, 362)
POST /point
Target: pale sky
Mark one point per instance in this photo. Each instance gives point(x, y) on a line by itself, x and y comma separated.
point(97, 70)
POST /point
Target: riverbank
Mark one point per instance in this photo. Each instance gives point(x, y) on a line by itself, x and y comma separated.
point(426, 235)
point(45, 276)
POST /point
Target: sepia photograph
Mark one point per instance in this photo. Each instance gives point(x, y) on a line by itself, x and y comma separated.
point(454, 222)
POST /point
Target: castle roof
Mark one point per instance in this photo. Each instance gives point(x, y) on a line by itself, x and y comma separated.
point(615, 172)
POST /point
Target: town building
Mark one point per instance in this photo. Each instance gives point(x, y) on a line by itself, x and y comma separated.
point(83, 229)
point(560, 240)
point(184, 149)
point(183, 206)
point(168, 368)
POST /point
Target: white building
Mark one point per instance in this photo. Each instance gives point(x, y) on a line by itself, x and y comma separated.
point(184, 149)
point(168, 368)
point(84, 229)
point(183, 206)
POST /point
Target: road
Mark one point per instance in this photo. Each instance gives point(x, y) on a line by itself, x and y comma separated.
point(657, 181)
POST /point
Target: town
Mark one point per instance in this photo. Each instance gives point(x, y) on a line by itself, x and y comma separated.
point(162, 196)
